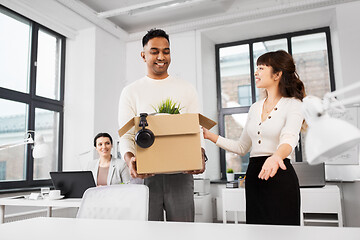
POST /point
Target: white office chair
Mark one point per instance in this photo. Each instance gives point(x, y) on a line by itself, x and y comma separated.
point(233, 200)
point(124, 201)
point(326, 200)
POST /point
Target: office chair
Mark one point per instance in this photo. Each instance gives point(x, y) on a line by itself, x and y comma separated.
point(124, 201)
point(234, 201)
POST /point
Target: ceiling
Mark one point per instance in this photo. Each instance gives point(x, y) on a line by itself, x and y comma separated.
point(133, 17)
point(138, 15)
point(129, 19)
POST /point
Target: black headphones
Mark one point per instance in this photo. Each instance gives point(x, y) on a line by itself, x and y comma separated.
point(144, 137)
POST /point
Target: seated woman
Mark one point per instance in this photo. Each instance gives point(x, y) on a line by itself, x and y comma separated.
point(107, 170)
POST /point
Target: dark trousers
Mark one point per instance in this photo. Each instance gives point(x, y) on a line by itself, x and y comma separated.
point(275, 201)
point(173, 193)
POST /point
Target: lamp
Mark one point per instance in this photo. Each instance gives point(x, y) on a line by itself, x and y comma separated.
point(40, 148)
point(327, 137)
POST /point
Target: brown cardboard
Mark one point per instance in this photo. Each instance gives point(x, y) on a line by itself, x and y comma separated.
point(177, 145)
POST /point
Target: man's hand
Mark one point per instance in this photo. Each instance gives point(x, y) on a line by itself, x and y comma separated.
point(270, 167)
point(131, 162)
point(203, 165)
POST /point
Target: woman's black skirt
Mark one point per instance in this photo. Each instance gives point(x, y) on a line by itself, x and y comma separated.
point(275, 201)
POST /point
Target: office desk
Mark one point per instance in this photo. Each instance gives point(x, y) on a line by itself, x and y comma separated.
point(14, 201)
point(89, 229)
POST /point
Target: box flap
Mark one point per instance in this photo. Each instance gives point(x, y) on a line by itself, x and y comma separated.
point(206, 122)
point(171, 124)
point(126, 127)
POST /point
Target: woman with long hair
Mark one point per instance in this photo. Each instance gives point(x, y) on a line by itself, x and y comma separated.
point(272, 133)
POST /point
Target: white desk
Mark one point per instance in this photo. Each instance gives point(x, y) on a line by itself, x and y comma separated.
point(94, 229)
point(13, 201)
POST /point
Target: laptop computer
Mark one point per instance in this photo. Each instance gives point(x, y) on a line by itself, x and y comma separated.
point(310, 175)
point(72, 184)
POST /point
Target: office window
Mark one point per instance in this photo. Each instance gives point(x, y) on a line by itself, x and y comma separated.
point(31, 99)
point(48, 65)
point(236, 64)
point(235, 72)
point(47, 124)
point(311, 57)
point(2, 171)
point(13, 125)
point(14, 62)
point(244, 95)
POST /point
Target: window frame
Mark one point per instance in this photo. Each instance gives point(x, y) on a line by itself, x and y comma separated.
point(33, 101)
point(222, 112)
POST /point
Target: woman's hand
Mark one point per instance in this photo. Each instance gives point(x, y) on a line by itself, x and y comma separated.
point(206, 133)
point(209, 135)
point(271, 166)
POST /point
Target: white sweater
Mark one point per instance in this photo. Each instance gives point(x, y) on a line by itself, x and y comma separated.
point(282, 126)
point(144, 94)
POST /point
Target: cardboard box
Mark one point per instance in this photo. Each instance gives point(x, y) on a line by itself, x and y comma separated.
point(177, 145)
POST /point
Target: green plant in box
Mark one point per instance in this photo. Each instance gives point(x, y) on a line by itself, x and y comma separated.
point(168, 106)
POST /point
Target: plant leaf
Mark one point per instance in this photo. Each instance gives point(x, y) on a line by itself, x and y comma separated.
point(168, 106)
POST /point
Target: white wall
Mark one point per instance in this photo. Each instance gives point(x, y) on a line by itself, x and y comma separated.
point(207, 91)
point(109, 81)
point(347, 19)
point(79, 97)
point(95, 64)
point(183, 58)
point(345, 42)
point(135, 66)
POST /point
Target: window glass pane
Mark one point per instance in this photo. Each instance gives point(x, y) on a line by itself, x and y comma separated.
point(13, 127)
point(245, 95)
point(260, 48)
point(47, 133)
point(311, 59)
point(234, 73)
point(14, 49)
point(48, 66)
point(268, 46)
point(234, 125)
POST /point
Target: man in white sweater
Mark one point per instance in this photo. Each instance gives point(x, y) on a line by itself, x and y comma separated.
point(173, 193)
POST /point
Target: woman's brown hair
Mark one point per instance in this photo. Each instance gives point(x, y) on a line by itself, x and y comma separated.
point(290, 84)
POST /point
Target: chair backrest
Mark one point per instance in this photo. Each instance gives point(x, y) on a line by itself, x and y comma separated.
point(123, 201)
point(233, 200)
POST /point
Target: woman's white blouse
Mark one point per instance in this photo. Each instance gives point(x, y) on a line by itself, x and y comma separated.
point(264, 137)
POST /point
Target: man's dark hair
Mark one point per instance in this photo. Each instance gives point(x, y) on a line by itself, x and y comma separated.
point(153, 33)
point(102, 135)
